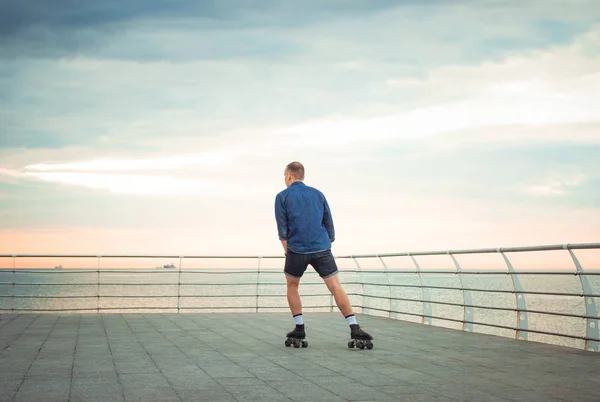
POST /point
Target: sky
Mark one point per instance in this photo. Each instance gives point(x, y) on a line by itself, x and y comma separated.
point(154, 126)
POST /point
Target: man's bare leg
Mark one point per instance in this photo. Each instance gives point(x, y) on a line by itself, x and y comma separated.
point(297, 335)
point(293, 296)
point(339, 294)
point(343, 303)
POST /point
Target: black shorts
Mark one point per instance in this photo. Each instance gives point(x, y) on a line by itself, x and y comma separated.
point(323, 262)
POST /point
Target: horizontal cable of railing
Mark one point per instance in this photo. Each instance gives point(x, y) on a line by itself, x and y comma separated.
point(468, 272)
point(481, 323)
point(507, 291)
point(511, 309)
point(117, 308)
point(149, 284)
point(531, 292)
point(161, 296)
point(90, 271)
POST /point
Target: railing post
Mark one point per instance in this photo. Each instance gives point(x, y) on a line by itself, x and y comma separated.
point(592, 331)
point(98, 286)
point(12, 305)
point(257, 282)
point(467, 299)
point(426, 318)
point(362, 283)
point(387, 278)
point(179, 286)
point(331, 303)
point(331, 300)
point(522, 321)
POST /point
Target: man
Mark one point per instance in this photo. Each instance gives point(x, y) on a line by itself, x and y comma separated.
point(306, 231)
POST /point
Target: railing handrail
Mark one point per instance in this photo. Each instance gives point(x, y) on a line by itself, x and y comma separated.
point(551, 247)
point(252, 271)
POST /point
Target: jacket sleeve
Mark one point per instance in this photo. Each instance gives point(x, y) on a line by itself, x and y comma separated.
point(328, 220)
point(281, 218)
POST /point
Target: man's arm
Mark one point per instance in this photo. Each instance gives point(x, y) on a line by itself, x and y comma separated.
point(328, 220)
point(281, 219)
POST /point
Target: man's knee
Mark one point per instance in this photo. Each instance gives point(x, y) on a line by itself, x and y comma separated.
point(292, 282)
point(337, 288)
point(333, 284)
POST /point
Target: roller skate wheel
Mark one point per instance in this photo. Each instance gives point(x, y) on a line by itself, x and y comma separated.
point(361, 345)
point(304, 344)
point(296, 344)
point(369, 346)
point(288, 343)
point(351, 344)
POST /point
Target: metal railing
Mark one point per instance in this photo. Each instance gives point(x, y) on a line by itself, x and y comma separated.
point(378, 291)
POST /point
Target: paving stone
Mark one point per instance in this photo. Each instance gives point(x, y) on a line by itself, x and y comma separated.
point(139, 387)
point(44, 389)
point(96, 389)
point(255, 393)
point(304, 390)
point(231, 357)
point(8, 387)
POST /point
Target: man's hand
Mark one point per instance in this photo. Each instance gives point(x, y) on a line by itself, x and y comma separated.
point(284, 244)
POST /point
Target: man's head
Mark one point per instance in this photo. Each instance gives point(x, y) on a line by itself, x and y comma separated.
point(293, 172)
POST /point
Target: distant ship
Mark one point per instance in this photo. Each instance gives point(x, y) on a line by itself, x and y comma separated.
point(168, 266)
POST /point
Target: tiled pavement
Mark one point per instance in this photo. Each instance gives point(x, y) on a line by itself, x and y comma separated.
point(229, 357)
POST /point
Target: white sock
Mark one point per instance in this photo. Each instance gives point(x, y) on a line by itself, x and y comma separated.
point(298, 319)
point(351, 319)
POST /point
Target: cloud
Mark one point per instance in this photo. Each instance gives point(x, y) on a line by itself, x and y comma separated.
point(49, 30)
point(514, 172)
point(550, 88)
point(111, 164)
point(132, 184)
point(556, 86)
point(375, 32)
point(10, 175)
point(188, 175)
point(112, 104)
point(556, 185)
point(580, 133)
point(19, 16)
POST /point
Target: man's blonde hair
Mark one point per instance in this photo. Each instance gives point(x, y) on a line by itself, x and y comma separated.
point(296, 169)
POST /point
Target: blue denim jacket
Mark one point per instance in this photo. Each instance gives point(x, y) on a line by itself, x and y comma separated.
point(304, 219)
